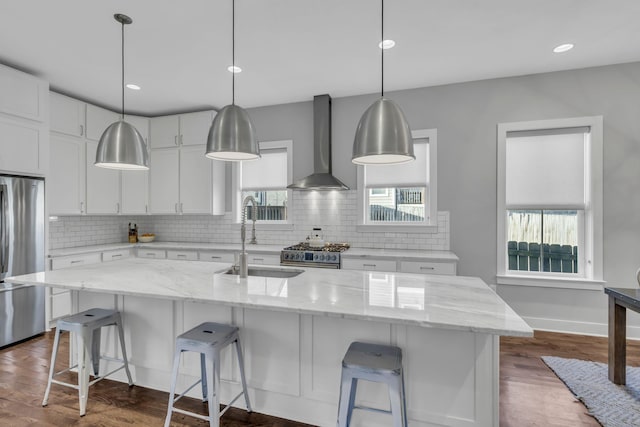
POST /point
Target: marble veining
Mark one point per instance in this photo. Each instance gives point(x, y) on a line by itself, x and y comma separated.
point(449, 302)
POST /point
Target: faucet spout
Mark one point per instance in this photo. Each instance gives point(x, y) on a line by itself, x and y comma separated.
point(243, 264)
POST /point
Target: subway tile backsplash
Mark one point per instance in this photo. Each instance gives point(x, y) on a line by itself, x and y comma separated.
point(334, 211)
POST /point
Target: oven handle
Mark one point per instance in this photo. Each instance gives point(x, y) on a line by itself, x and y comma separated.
point(314, 265)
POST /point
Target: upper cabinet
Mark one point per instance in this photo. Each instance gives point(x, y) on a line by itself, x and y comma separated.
point(23, 123)
point(23, 95)
point(182, 129)
point(98, 119)
point(67, 115)
point(65, 186)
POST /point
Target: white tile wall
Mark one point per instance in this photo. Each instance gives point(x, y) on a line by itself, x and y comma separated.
point(334, 211)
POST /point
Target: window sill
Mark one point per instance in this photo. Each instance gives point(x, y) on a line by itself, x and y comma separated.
point(552, 282)
point(371, 228)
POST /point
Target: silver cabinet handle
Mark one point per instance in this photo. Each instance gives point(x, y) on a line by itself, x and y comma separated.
point(81, 130)
point(175, 140)
point(118, 207)
point(81, 207)
point(76, 261)
point(215, 257)
point(181, 255)
point(146, 208)
point(116, 256)
point(368, 265)
point(427, 268)
point(151, 254)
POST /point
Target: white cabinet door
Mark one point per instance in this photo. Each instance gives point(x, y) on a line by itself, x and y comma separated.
point(196, 192)
point(369, 264)
point(21, 146)
point(103, 185)
point(151, 253)
point(163, 181)
point(66, 181)
point(98, 119)
point(164, 132)
point(194, 128)
point(23, 95)
point(134, 192)
point(428, 267)
point(263, 259)
point(66, 115)
point(182, 255)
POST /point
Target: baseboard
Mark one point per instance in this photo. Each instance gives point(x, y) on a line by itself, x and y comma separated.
point(574, 327)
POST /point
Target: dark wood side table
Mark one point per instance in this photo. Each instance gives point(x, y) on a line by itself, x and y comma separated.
point(619, 300)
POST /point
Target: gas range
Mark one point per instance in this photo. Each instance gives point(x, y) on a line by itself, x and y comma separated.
point(303, 254)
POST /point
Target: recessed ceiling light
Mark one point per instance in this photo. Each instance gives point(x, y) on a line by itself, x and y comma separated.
point(386, 44)
point(234, 69)
point(563, 48)
point(133, 86)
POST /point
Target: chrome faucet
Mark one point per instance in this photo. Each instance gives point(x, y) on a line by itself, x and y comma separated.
point(243, 266)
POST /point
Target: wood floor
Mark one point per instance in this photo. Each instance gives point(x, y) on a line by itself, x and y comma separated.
point(530, 394)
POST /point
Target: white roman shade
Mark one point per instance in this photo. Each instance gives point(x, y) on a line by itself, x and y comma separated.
point(411, 174)
point(546, 169)
point(269, 172)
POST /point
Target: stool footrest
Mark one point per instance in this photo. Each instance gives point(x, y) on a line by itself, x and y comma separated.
point(74, 386)
point(226, 408)
point(370, 409)
point(192, 414)
point(186, 391)
point(105, 375)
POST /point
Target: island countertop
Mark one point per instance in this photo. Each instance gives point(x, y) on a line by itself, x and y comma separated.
point(432, 301)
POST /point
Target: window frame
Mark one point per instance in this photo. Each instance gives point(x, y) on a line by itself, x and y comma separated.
point(236, 198)
point(590, 244)
point(431, 224)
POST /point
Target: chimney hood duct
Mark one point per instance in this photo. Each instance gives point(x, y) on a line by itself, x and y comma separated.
point(321, 178)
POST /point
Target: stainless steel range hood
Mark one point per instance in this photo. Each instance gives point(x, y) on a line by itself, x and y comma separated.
point(321, 178)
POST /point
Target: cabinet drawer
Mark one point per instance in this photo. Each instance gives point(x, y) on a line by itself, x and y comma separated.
point(183, 255)
point(60, 304)
point(76, 260)
point(263, 259)
point(151, 253)
point(428, 267)
point(369, 264)
point(116, 255)
point(216, 256)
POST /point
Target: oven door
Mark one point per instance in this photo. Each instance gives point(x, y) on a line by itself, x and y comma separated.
point(309, 264)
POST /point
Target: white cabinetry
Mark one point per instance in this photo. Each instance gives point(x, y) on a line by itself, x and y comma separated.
point(152, 253)
point(182, 255)
point(182, 179)
point(134, 192)
point(23, 123)
point(66, 183)
point(265, 259)
point(369, 264)
point(427, 267)
point(216, 256)
point(103, 185)
point(67, 115)
point(115, 255)
point(61, 298)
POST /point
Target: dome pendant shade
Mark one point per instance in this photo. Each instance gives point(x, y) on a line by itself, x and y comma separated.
point(122, 147)
point(383, 136)
point(232, 136)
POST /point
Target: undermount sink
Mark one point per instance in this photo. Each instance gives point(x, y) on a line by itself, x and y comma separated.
point(282, 273)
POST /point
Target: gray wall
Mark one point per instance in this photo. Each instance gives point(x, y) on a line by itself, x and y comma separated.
point(466, 116)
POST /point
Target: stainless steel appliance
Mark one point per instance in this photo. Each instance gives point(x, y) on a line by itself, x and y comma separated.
point(305, 255)
point(21, 252)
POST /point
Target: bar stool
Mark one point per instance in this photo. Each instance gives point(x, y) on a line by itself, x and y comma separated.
point(207, 339)
point(372, 362)
point(87, 326)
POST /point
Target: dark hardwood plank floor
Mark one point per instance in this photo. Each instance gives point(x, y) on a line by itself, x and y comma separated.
point(530, 394)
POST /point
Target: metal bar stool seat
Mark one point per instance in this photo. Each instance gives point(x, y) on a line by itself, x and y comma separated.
point(87, 327)
point(208, 339)
point(377, 363)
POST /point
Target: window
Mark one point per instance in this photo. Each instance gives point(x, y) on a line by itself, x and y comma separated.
point(550, 201)
point(393, 196)
point(266, 179)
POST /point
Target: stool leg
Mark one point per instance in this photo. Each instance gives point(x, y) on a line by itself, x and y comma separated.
point(174, 378)
point(123, 349)
point(52, 369)
point(242, 377)
point(95, 351)
point(405, 415)
point(348, 389)
point(84, 341)
point(395, 397)
point(213, 359)
point(203, 377)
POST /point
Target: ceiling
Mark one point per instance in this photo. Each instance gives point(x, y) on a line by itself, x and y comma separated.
point(290, 50)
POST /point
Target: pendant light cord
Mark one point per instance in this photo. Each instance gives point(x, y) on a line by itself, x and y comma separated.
point(233, 52)
point(382, 48)
point(122, 50)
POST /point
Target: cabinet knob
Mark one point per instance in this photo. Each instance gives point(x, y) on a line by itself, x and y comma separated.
point(81, 130)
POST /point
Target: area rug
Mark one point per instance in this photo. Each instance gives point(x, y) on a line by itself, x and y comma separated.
point(612, 405)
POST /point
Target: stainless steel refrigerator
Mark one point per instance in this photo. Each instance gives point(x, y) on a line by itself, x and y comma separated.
point(21, 252)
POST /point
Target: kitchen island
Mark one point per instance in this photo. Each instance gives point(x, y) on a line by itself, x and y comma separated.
point(295, 331)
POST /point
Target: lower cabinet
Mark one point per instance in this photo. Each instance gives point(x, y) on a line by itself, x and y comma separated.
point(215, 256)
point(418, 267)
point(369, 264)
point(265, 259)
point(182, 255)
point(151, 253)
point(427, 267)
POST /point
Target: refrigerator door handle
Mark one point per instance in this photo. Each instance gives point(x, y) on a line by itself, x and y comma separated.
point(4, 240)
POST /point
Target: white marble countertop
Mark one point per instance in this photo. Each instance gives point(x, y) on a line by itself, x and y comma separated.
point(448, 302)
point(408, 255)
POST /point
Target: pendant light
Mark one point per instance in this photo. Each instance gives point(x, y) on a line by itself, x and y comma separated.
point(383, 135)
point(121, 146)
point(232, 136)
